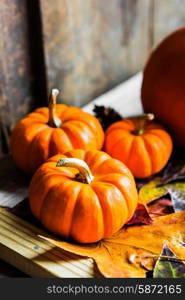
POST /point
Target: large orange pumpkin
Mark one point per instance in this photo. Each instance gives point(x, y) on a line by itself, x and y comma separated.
point(83, 195)
point(144, 146)
point(163, 87)
point(46, 132)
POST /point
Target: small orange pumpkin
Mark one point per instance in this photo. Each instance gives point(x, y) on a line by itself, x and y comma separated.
point(46, 132)
point(83, 195)
point(144, 146)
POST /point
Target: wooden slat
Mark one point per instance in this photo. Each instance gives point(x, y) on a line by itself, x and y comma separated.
point(92, 45)
point(15, 70)
point(30, 229)
point(21, 246)
point(13, 183)
point(22, 78)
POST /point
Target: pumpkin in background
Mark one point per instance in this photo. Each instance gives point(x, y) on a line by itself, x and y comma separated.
point(144, 146)
point(163, 87)
point(83, 195)
point(46, 132)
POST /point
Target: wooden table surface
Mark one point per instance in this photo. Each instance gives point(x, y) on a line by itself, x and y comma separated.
point(7, 270)
point(125, 98)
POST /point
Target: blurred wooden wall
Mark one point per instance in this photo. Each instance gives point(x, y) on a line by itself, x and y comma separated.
point(82, 47)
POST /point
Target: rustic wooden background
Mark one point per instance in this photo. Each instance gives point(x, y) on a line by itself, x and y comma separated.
point(82, 47)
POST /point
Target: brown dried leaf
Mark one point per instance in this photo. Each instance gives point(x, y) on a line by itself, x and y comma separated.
point(106, 115)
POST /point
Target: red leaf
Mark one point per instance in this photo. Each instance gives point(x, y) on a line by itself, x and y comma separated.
point(141, 216)
point(160, 207)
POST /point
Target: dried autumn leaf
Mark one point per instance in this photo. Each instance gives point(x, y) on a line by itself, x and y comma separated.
point(132, 251)
point(106, 115)
point(177, 193)
point(140, 216)
point(160, 207)
point(151, 191)
point(169, 268)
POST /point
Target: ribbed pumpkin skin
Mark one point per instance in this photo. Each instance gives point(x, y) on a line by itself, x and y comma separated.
point(33, 141)
point(84, 212)
point(144, 154)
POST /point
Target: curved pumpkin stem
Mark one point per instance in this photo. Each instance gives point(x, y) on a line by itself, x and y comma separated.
point(142, 121)
point(85, 174)
point(54, 120)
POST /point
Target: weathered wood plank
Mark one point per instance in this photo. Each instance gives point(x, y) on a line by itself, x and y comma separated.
point(92, 45)
point(19, 57)
point(21, 246)
point(13, 183)
point(15, 70)
point(168, 16)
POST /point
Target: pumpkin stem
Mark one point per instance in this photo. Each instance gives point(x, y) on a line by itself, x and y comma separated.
point(84, 175)
point(142, 121)
point(54, 120)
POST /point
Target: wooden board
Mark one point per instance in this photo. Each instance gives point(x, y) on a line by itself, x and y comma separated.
point(22, 80)
point(92, 45)
point(21, 246)
point(15, 74)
